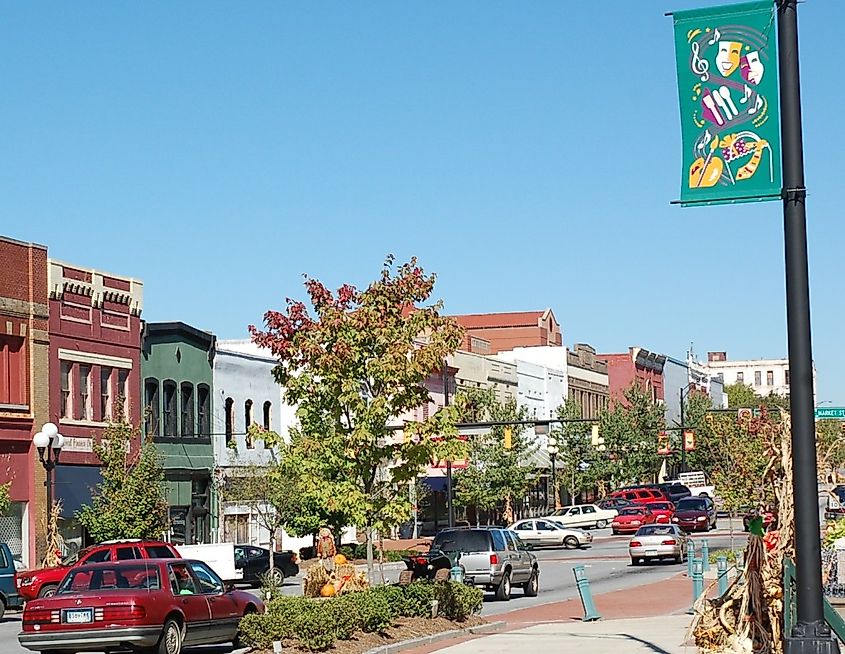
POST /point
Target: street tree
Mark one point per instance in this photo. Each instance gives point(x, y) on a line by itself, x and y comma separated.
point(499, 470)
point(578, 459)
point(130, 501)
point(696, 408)
point(742, 396)
point(830, 449)
point(353, 363)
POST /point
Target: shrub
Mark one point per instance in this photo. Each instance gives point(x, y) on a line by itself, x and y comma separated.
point(283, 612)
point(315, 628)
point(418, 598)
point(346, 615)
point(256, 630)
point(394, 595)
point(375, 611)
point(458, 601)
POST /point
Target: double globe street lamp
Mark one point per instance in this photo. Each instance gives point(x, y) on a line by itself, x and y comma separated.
point(49, 443)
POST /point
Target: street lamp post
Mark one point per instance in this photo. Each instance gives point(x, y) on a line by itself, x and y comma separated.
point(551, 448)
point(684, 395)
point(49, 443)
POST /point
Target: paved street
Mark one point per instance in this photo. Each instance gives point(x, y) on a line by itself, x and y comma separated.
point(607, 564)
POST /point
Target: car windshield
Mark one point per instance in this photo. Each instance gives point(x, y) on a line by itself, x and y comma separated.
point(656, 530)
point(117, 577)
point(659, 505)
point(631, 511)
point(692, 504)
point(462, 541)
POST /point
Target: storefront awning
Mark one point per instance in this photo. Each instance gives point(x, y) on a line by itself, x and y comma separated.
point(74, 486)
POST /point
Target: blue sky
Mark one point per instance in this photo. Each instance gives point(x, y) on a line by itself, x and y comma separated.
point(526, 152)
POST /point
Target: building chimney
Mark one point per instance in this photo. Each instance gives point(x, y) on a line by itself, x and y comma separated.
point(717, 356)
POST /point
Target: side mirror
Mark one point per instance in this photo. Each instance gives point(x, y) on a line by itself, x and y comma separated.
point(228, 587)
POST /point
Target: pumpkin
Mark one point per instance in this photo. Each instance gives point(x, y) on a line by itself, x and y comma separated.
point(340, 560)
point(328, 590)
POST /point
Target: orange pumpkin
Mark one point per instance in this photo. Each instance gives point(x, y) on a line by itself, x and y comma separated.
point(328, 590)
point(340, 560)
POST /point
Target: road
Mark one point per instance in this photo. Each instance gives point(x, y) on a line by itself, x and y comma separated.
point(607, 565)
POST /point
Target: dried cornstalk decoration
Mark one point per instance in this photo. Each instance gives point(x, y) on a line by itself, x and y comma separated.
point(748, 618)
point(53, 556)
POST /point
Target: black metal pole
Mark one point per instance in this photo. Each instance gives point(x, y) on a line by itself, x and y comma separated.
point(449, 504)
point(683, 436)
point(811, 633)
point(48, 482)
point(554, 482)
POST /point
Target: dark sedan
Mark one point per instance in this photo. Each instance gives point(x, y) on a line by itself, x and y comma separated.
point(695, 514)
point(255, 563)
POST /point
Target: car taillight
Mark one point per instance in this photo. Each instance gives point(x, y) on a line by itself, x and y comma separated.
point(494, 559)
point(40, 616)
point(636, 543)
point(669, 542)
point(421, 560)
point(24, 581)
point(119, 612)
point(295, 558)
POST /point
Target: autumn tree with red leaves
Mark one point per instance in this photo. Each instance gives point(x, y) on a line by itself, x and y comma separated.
point(353, 364)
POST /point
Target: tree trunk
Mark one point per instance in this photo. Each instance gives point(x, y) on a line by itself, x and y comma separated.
point(731, 516)
point(381, 557)
point(370, 566)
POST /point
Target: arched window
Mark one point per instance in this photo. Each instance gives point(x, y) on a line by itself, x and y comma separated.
point(187, 406)
point(203, 411)
point(248, 422)
point(268, 407)
point(152, 408)
point(170, 419)
point(230, 421)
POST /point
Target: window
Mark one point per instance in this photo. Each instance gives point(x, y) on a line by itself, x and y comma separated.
point(128, 553)
point(187, 410)
point(528, 525)
point(67, 403)
point(786, 376)
point(268, 406)
point(105, 394)
point(85, 393)
point(589, 509)
point(758, 378)
point(248, 423)
point(204, 411)
point(123, 390)
point(159, 552)
point(181, 581)
point(740, 378)
point(169, 409)
point(152, 410)
point(230, 421)
point(770, 378)
point(13, 371)
point(100, 556)
point(210, 583)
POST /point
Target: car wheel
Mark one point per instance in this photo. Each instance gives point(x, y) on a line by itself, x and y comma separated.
point(48, 590)
point(276, 576)
point(601, 524)
point(570, 543)
point(615, 532)
point(503, 591)
point(2, 609)
point(635, 561)
point(532, 586)
point(171, 638)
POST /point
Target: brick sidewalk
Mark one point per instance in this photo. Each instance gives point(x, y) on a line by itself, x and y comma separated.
point(667, 597)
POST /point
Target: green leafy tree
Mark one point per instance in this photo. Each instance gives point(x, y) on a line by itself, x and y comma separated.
point(696, 408)
point(353, 363)
point(496, 476)
point(578, 459)
point(129, 502)
point(830, 449)
point(5, 497)
point(742, 396)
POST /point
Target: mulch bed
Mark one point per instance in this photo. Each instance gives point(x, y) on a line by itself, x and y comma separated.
point(403, 629)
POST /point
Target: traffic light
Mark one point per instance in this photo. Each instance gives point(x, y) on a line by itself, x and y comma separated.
point(508, 438)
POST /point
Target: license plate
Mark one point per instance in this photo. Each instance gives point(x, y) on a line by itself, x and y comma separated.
point(651, 552)
point(469, 581)
point(79, 616)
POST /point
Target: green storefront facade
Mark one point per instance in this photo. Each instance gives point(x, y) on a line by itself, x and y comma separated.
point(176, 378)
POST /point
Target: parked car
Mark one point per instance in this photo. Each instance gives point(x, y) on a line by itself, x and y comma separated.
point(544, 532)
point(662, 511)
point(613, 503)
point(632, 518)
point(9, 597)
point(255, 563)
point(640, 494)
point(655, 542)
point(44, 581)
point(492, 558)
point(159, 604)
point(675, 490)
point(695, 514)
point(586, 516)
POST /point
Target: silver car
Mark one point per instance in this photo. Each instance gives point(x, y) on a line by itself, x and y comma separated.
point(655, 542)
point(541, 532)
point(492, 558)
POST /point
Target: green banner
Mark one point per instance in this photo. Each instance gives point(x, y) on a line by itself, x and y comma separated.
point(728, 88)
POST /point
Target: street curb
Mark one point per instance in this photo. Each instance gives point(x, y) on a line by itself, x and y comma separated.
point(393, 648)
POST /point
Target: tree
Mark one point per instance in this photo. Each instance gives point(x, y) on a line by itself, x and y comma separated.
point(830, 449)
point(696, 407)
point(630, 429)
point(498, 473)
point(129, 502)
point(742, 396)
point(576, 453)
point(353, 363)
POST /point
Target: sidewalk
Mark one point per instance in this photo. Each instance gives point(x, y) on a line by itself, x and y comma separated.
point(648, 618)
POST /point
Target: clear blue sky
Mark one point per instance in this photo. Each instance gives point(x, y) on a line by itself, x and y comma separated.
point(526, 152)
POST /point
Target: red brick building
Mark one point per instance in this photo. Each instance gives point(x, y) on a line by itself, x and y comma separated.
point(505, 331)
point(23, 391)
point(95, 368)
point(637, 364)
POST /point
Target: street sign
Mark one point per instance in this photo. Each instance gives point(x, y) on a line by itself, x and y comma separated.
point(830, 413)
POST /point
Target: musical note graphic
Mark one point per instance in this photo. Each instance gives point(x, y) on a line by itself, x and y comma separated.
point(699, 66)
point(716, 36)
point(758, 104)
point(746, 94)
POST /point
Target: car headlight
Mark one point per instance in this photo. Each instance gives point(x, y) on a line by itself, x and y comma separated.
point(635, 522)
point(674, 519)
point(701, 518)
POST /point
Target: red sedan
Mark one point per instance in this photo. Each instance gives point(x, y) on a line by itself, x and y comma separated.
point(159, 604)
point(632, 518)
point(663, 511)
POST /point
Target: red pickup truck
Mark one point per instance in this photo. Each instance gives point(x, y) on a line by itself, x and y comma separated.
point(44, 581)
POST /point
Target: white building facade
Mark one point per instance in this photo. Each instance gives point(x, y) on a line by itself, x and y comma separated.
point(765, 376)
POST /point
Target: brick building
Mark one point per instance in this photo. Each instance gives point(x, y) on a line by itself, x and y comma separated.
point(588, 380)
point(637, 364)
point(95, 368)
point(23, 391)
point(506, 331)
